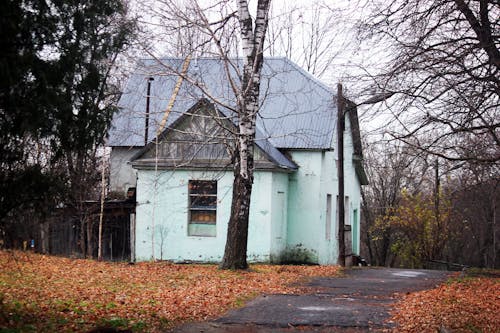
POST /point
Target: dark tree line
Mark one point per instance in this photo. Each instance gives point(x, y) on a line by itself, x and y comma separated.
point(56, 100)
point(475, 199)
point(416, 211)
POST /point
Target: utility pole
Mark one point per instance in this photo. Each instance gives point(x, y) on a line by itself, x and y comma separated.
point(340, 156)
point(437, 190)
point(341, 111)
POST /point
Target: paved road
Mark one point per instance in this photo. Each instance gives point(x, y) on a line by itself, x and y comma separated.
point(358, 302)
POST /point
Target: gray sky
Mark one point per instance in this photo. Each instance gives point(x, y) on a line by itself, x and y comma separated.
point(318, 35)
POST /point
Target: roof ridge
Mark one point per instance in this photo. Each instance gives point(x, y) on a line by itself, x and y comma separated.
point(287, 60)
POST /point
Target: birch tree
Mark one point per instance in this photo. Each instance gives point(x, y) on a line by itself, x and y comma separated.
point(230, 31)
point(253, 36)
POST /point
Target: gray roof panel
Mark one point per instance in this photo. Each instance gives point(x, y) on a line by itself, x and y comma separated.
point(297, 111)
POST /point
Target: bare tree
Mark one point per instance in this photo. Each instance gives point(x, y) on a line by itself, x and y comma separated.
point(253, 35)
point(443, 59)
point(309, 34)
point(220, 30)
point(391, 169)
point(415, 212)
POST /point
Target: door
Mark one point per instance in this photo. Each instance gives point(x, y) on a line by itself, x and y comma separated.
point(328, 226)
point(355, 232)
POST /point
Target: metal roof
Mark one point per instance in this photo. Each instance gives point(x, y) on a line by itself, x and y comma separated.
point(297, 111)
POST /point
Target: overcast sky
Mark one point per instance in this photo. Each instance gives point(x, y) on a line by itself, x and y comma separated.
point(319, 35)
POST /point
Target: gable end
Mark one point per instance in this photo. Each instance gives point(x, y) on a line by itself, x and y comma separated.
point(202, 138)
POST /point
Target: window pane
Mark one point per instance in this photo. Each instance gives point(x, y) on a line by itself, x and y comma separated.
point(199, 202)
point(204, 230)
point(202, 187)
point(203, 216)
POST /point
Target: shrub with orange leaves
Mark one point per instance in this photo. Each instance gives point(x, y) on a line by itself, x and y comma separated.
point(42, 293)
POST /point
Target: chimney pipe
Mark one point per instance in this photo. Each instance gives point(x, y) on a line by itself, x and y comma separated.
point(148, 95)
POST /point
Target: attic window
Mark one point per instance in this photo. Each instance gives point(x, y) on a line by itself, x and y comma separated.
point(202, 208)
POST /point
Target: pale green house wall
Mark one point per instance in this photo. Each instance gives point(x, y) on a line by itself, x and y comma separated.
point(168, 208)
point(309, 238)
point(304, 215)
point(329, 186)
point(288, 219)
point(352, 189)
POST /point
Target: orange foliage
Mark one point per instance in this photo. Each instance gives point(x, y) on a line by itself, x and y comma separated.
point(51, 294)
point(470, 305)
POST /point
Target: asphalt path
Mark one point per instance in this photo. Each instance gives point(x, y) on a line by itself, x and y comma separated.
point(359, 301)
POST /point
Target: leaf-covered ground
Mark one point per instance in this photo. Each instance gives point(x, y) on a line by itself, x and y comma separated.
point(51, 294)
point(461, 305)
point(41, 293)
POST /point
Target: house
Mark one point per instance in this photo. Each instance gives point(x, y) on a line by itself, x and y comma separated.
point(183, 176)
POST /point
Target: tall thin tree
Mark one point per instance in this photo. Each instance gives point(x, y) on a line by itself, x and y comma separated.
point(253, 35)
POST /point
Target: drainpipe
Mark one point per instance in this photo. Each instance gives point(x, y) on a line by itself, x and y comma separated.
point(146, 125)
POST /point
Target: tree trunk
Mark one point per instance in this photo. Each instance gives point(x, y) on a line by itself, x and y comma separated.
point(235, 253)
point(90, 240)
point(385, 250)
point(368, 222)
point(83, 246)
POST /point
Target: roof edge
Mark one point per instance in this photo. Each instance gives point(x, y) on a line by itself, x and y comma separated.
point(309, 76)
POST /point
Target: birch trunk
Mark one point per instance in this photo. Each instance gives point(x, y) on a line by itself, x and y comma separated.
point(235, 254)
